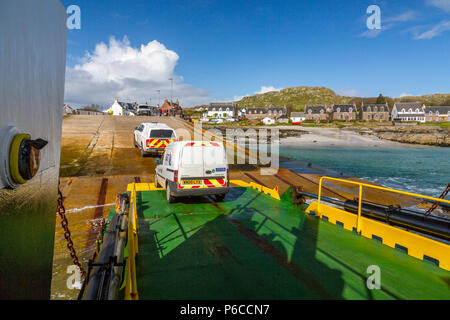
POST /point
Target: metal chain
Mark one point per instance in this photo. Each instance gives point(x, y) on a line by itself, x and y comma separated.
point(67, 235)
point(435, 205)
point(101, 231)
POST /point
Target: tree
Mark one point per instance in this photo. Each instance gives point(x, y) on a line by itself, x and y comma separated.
point(289, 109)
point(381, 99)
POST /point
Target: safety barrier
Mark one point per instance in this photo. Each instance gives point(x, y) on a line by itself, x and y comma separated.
point(131, 292)
point(271, 192)
point(413, 244)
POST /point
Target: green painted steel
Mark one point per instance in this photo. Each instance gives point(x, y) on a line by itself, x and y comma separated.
point(254, 247)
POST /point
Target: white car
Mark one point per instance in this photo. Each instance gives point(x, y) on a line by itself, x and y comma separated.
point(153, 138)
point(193, 168)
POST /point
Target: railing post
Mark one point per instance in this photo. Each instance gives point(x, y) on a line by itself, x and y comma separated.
point(319, 195)
point(358, 221)
point(131, 292)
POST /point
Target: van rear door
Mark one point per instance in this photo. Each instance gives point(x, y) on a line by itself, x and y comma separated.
point(191, 166)
point(214, 165)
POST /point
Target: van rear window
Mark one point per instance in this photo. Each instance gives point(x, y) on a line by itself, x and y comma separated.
point(161, 134)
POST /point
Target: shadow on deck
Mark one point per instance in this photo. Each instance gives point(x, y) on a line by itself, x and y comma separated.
point(248, 247)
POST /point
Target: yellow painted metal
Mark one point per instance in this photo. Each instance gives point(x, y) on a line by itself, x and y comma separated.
point(151, 187)
point(271, 192)
point(418, 246)
point(379, 188)
point(240, 183)
point(358, 223)
point(14, 158)
point(142, 187)
point(131, 292)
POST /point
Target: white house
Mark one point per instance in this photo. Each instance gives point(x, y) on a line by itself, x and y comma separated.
point(297, 117)
point(67, 109)
point(222, 110)
point(408, 111)
point(268, 120)
point(282, 119)
point(241, 112)
point(122, 108)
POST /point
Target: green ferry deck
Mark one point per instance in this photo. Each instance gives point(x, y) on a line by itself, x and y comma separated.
point(254, 246)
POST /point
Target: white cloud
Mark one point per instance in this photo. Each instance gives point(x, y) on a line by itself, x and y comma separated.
point(402, 17)
point(132, 74)
point(265, 89)
point(433, 32)
point(239, 98)
point(441, 4)
point(390, 22)
point(406, 95)
point(348, 92)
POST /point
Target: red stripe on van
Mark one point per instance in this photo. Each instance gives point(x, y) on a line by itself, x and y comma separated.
point(208, 183)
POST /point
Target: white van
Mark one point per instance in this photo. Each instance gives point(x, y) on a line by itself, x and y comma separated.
point(193, 168)
point(153, 138)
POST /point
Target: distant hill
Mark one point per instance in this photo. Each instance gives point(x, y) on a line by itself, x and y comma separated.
point(298, 97)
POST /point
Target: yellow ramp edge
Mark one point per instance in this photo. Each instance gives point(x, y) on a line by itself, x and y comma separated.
point(418, 246)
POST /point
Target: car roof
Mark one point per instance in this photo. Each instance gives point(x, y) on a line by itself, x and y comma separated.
point(156, 125)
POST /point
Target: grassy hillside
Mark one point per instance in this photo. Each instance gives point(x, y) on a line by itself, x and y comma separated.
point(298, 97)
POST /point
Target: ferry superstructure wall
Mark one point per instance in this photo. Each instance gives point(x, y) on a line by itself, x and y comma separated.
point(33, 38)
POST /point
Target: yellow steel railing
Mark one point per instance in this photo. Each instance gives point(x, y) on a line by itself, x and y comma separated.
point(361, 185)
point(131, 292)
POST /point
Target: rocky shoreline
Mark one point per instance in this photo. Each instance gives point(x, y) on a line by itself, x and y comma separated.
point(422, 135)
point(426, 135)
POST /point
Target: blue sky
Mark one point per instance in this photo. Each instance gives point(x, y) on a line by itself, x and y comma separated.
point(221, 50)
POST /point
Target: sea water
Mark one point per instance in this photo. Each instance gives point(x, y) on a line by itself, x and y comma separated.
point(419, 169)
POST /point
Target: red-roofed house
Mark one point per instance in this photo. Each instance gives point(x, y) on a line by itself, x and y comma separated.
point(170, 108)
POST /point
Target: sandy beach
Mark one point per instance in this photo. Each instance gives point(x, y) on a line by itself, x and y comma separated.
point(336, 137)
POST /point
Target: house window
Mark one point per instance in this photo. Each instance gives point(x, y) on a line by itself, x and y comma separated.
point(369, 109)
point(338, 110)
point(350, 109)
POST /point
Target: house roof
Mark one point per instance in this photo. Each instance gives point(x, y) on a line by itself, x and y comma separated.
point(408, 105)
point(345, 107)
point(372, 106)
point(315, 109)
point(126, 105)
point(215, 106)
point(434, 109)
